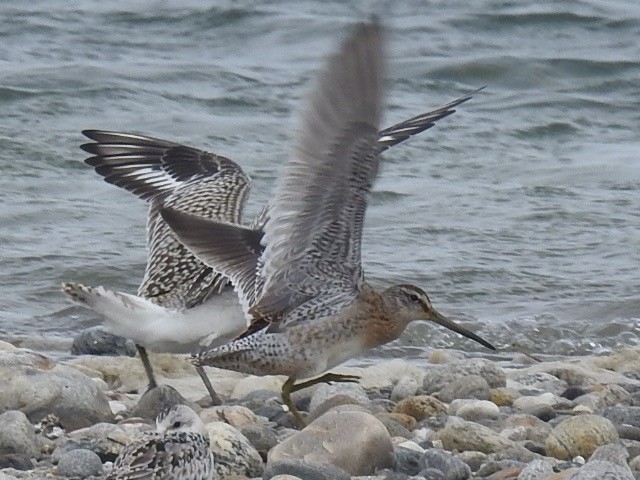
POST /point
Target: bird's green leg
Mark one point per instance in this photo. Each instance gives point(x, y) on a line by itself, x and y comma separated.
point(290, 386)
point(147, 366)
point(215, 399)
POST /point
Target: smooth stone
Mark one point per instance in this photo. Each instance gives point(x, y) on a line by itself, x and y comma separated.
point(452, 467)
point(503, 396)
point(234, 454)
point(393, 426)
point(262, 437)
point(104, 439)
point(4, 476)
point(352, 390)
point(622, 415)
point(580, 435)
point(342, 401)
point(332, 438)
point(407, 460)
point(606, 396)
point(469, 387)
point(607, 462)
point(304, 469)
point(622, 361)
point(474, 409)
point(384, 375)
point(536, 430)
point(420, 407)
point(406, 387)
point(17, 461)
point(159, 399)
point(439, 377)
point(38, 386)
point(473, 459)
point(526, 402)
point(535, 383)
point(536, 470)
point(79, 463)
point(235, 415)
point(431, 474)
point(17, 435)
point(96, 341)
point(466, 435)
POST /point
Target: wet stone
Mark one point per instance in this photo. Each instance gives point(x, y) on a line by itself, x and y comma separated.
point(407, 460)
point(79, 464)
point(99, 342)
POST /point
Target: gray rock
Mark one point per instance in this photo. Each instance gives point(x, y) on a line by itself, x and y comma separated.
point(452, 467)
point(305, 470)
point(440, 376)
point(469, 386)
point(16, 461)
point(4, 476)
point(96, 341)
point(607, 462)
point(38, 386)
point(17, 435)
point(79, 464)
point(157, 400)
point(262, 437)
point(104, 439)
point(536, 470)
point(407, 386)
point(535, 383)
point(472, 436)
point(233, 452)
point(407, 460)
point(395, 428)
point(325, 391)
point(431, 474)
point(474, 410)
point(357, 442)
point(622, 414)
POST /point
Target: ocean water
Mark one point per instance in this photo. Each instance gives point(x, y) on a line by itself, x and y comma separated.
point(519, 214)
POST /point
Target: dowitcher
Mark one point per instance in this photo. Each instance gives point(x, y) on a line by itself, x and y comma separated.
point(177, 450)
point(311, 306)
point(182, 301)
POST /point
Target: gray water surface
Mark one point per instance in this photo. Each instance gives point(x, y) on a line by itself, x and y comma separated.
point(519, 214)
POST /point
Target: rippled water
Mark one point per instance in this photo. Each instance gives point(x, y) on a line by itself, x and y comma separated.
point(519, 214)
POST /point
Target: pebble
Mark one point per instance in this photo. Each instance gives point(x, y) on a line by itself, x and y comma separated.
point(420, 407)
point(304, 469)
point(474, 409)
point(96, 341)
point(79, 463)
point(536, 470)
point(440, 376)
point(17, 435)
point(580, 435)
point(330, 439)
point(452, 467)
point(390, 424)
point(472, 436)
point(38, 386)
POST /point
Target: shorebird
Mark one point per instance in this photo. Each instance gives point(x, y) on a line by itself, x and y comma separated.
point(181, 301)
point(178, 450)
point(302, 280)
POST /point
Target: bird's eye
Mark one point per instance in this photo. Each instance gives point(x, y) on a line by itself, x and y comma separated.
point(176, 425)
point(414, 298)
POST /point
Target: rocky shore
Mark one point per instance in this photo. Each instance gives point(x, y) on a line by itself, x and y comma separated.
point(450, 417)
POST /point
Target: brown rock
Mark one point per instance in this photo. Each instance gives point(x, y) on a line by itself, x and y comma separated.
point(355, 441)
point(420, 407)
point(580, 435)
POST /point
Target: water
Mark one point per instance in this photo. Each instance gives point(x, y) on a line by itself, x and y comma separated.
point(519, 214)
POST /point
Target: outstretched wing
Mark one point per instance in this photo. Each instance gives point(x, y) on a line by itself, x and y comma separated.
point(314, 227)
point(190, 180)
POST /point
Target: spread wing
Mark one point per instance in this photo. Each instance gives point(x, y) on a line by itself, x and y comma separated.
point(190, 180)
point(314, 227)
